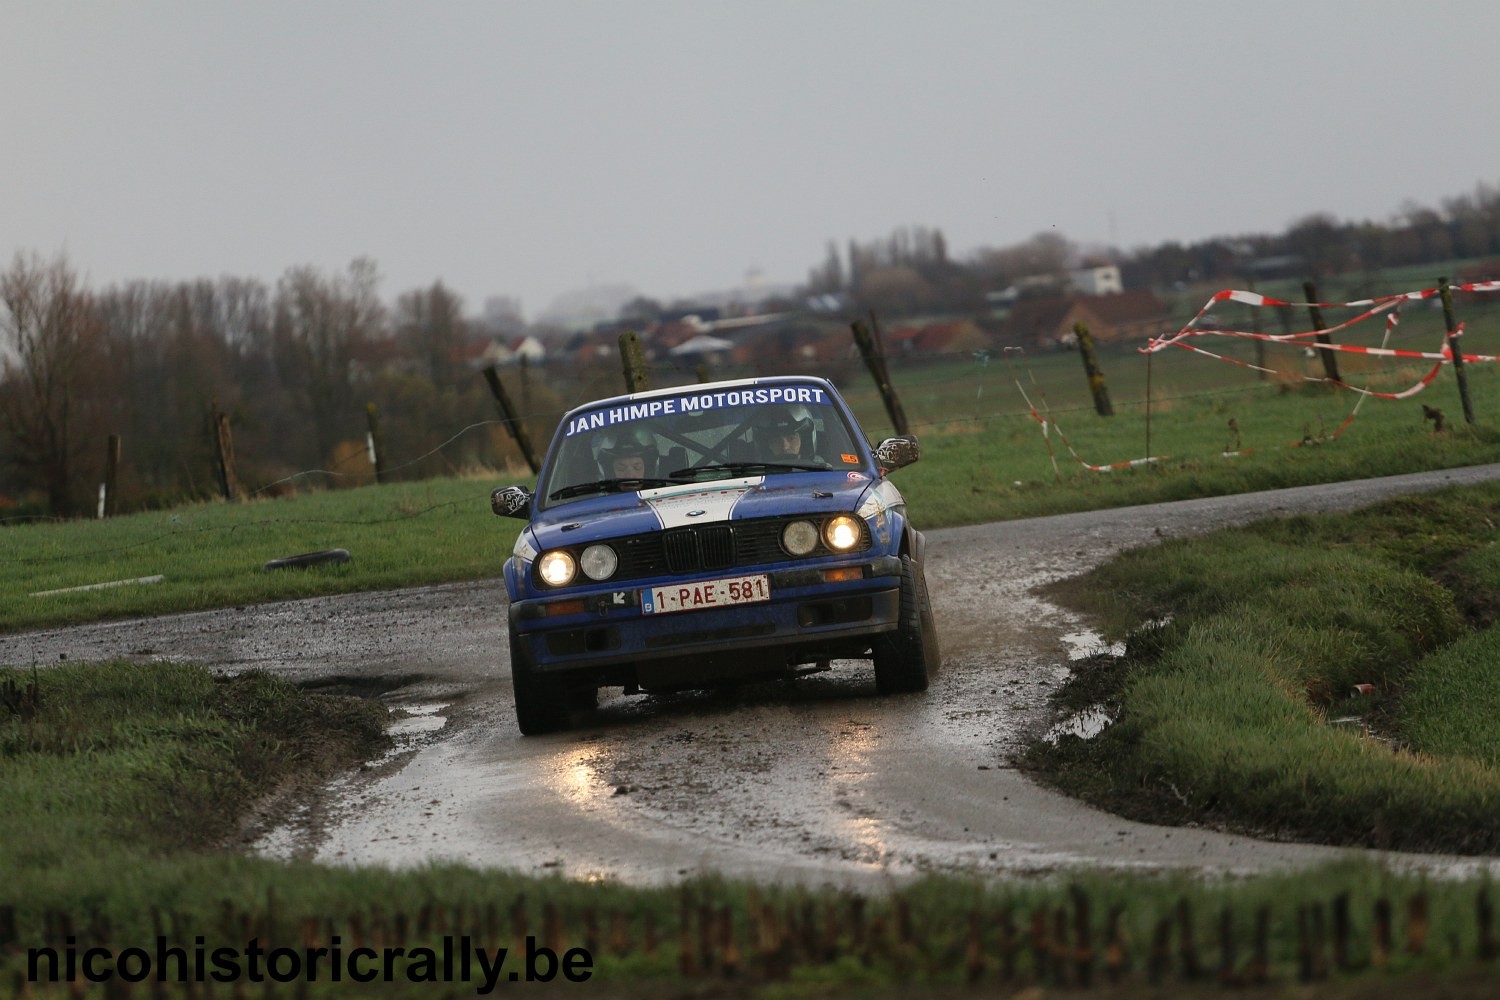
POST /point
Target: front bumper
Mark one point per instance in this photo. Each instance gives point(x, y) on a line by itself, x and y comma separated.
point(604, 632)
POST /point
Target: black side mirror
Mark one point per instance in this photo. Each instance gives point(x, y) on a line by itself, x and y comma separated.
point(511, 501)
point(897, 452)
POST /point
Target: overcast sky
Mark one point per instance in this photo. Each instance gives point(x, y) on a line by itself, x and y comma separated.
point(530, 149)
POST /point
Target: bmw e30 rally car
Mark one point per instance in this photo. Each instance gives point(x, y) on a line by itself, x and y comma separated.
point(710, 534)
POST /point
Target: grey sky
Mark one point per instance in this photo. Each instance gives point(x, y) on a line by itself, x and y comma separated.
point(528, 149)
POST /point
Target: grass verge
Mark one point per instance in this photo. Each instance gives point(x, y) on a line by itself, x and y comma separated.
point(1312, 678)
point(123, 780)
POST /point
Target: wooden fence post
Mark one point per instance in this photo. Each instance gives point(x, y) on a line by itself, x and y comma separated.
point(1456, 351)
point(1260, 345)
point(111, 475)
point(633, 362)
point(513, 424)
point(229, 483)
point(373, 442)
point(1330, 363)
point(867, 339)
point(1091, 370)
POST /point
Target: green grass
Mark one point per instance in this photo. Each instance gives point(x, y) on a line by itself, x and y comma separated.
point(212, 554)
point(1242, 710)
point(125, 782)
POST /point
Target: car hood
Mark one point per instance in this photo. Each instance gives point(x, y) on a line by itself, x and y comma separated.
point(625, 514)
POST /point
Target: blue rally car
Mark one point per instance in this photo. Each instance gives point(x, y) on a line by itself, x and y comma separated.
point(707, 535)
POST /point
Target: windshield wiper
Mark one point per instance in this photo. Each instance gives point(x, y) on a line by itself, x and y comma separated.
point(745, 468)
point(609, 486)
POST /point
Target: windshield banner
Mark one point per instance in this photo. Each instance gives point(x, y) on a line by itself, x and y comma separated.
point(694, 403)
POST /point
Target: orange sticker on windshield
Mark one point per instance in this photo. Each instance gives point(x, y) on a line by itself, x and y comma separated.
point(850, 459)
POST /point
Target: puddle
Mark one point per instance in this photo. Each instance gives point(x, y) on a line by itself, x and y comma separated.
point(1086, 644)
point(418, 720)
point(1085, 725)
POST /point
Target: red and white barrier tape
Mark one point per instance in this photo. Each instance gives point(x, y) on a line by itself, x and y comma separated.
point(1049, 425)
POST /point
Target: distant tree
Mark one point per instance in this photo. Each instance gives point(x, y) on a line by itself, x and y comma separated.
point(430, 324)
point(827, 278)
point(640, 311)
point(52, 376)
point(1322, 242)
point(502, 316)
point(893, 291)
point(320, 325)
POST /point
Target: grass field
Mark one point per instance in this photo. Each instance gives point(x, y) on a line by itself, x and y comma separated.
point(122, 784)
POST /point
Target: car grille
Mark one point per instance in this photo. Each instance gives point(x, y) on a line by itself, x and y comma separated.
point(696, 548)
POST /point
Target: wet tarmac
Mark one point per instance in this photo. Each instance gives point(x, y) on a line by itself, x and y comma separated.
point(815, 781)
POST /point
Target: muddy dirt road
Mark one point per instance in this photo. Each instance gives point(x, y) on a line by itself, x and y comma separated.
point(818, 781)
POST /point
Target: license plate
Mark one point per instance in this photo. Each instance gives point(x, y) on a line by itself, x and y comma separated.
point(706, 594)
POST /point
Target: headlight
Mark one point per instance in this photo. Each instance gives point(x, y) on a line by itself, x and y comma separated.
point(598, 562)
point(841, 533)
point(799, 538)
point(556, 568)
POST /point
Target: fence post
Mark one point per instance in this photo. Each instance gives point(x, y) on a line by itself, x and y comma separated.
point(1454, 350)
point(1330, 363)
point(524, 372)
point(373, 443)
point(874, 358)
point(229, 483)
point(1260, 345)
point(512, 424)
point(1091, 370)
point(633, 362)
point(111, 474)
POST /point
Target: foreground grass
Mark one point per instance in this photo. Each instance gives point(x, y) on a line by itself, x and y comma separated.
point(972, 470)
point(1242, 699)
point(123, 780)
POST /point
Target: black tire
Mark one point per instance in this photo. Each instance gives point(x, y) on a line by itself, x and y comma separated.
point(541, 701)
point(906, 658)
point(323, 557)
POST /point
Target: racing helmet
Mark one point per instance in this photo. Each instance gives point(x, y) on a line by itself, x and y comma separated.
point(778, 421)
point(615, 444)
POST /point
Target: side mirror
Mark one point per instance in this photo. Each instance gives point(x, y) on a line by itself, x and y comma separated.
point(897, 452)
point(511, 501)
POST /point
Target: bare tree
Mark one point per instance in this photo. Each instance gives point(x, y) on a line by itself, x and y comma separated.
point(431, 325)
point(52, 331)
point(321, 324)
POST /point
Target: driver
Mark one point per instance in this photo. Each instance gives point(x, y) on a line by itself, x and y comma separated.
point(623, 454)
point(782, 432)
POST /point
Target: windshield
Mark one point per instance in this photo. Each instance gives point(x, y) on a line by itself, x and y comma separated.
point(695, 436)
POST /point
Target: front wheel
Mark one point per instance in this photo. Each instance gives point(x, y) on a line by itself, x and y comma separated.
point(907, 657)
point(541, 701)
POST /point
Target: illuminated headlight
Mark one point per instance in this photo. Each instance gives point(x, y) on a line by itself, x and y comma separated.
point(841, 533)
point(598, 562)
point(556, 568)
point(799, 538)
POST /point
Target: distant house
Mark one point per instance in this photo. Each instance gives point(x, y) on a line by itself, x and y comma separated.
point(1048, 322)
point(511, 351)
point(703, 349)
point(1102, 279)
